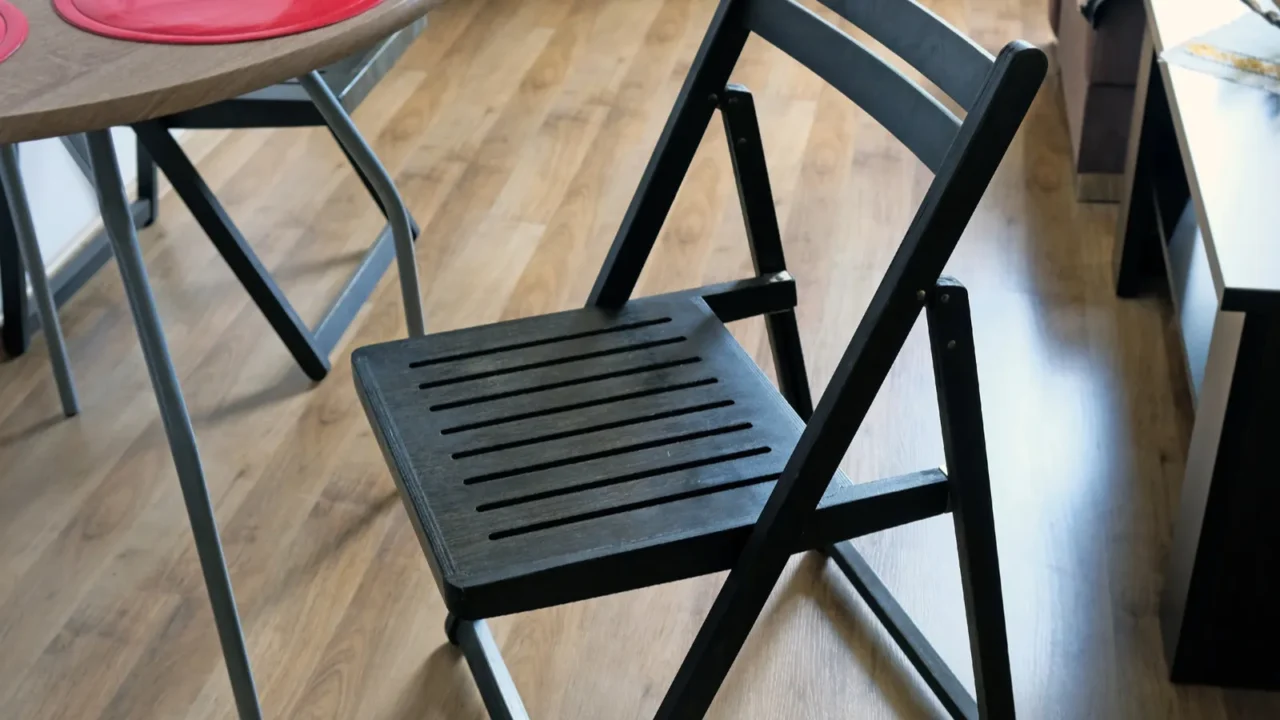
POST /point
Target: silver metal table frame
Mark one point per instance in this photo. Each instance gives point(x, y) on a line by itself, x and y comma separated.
point(118, 223)
point(12, 189)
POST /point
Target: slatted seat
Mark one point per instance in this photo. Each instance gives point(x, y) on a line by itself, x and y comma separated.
point(632, 448)
point(634, 442)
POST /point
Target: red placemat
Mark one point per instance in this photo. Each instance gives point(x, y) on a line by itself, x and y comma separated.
point(205, 22)
point(13, 29)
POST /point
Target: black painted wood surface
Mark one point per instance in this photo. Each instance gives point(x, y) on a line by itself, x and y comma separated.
point(557, 458)
point(1197, 170)
point(904, 108)
point(955, 63)
point(634, 442)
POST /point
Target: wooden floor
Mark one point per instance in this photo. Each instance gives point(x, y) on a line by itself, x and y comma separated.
point(517, 130)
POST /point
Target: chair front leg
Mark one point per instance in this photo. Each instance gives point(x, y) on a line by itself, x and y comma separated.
point(497, 690)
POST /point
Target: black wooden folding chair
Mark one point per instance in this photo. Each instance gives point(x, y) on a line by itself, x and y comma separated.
point(633, 442)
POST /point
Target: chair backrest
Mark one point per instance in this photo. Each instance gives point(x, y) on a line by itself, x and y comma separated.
point(905, 109)
point(995, 93)
point(950, 60)
point(962, 69)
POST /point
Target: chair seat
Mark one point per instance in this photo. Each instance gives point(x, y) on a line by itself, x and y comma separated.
point(571, 455)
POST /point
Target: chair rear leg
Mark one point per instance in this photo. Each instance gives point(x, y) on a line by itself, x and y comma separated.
point(960, 407)
point(234, 249)
point(501, 699)
point(738, 110)
point(788, 360)
point(955, 374)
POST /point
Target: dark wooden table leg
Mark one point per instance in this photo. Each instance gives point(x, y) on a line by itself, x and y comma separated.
point(1137, 257)
point(1222, 589)
point(14, 333)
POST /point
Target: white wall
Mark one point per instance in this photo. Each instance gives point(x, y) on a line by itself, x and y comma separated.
point(63, 205)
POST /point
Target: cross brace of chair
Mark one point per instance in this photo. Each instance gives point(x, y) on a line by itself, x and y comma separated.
point(309, 347)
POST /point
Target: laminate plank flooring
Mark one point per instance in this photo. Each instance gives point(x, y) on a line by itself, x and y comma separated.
point(517, 130)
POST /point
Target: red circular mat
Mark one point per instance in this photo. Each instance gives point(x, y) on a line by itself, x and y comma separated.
point(200, 22)
point(13, 29)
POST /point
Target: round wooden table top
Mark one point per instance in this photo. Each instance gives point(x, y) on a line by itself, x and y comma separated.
point(65, 80)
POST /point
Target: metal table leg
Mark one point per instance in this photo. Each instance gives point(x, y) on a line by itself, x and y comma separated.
point(397, 214)
point(12, 188)
point(177, 423)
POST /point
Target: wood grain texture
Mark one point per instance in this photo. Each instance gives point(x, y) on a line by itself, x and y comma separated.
point(102, 613)
point(66, 80)
point(559, 458)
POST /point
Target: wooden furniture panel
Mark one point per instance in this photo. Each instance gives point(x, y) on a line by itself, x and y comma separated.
point(67, 81)
point(1199, 218)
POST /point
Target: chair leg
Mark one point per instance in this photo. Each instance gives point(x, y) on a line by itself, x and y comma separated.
point(11, 187)
point(956, 376)
point(237, 253)
point(737, 108)
point(498, 691)
point(788, 361)
point(309, 348)
point(688, 121)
